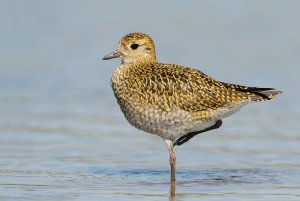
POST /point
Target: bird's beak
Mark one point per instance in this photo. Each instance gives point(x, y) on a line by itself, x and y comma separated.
point(114, 54)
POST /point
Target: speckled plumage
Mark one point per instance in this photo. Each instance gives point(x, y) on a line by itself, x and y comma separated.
point(172, 100)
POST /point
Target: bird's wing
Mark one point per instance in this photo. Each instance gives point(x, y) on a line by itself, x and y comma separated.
point(169, 86)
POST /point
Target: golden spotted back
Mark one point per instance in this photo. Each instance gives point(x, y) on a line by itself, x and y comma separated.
point(169, 85)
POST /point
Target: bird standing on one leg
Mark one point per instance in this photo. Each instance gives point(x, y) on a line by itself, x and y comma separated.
point(173, 101)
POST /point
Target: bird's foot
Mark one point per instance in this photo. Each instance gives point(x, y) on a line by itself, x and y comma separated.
point(187, 137)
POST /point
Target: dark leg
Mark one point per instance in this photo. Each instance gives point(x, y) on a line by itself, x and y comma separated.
point(189, 136)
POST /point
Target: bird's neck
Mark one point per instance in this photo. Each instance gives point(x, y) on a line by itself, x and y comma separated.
point(130, 70)
point(135, 60)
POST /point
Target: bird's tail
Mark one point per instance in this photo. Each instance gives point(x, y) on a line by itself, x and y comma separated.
point(262, 94)
point(256, 94)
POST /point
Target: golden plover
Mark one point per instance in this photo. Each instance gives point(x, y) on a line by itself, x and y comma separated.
point(172, 101)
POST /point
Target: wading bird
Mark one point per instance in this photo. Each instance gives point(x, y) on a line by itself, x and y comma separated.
point(173, 101)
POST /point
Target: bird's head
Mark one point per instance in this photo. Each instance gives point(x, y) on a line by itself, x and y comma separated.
point(133, 48)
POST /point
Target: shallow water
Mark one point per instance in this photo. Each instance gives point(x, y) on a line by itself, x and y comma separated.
point(63, 137)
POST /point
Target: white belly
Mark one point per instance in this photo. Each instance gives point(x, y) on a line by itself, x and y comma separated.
point(175, 122)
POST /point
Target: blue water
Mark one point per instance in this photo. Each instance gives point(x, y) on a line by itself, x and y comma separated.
point(63, 136)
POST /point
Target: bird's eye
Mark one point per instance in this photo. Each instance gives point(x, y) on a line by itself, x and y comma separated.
point(134, 46)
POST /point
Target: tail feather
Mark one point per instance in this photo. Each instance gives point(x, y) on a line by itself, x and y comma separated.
point(260, 94)
point(263, 93)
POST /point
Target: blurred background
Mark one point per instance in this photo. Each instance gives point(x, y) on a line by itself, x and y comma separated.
point(63, 136)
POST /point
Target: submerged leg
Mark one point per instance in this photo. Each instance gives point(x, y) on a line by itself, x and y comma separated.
point(189, 136)
point(169, 144)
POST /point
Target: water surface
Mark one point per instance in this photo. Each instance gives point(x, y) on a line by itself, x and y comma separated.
point(63, 137)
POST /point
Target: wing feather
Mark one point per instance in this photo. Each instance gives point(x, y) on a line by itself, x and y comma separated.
point(191, 90)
